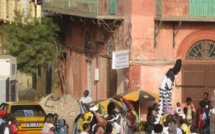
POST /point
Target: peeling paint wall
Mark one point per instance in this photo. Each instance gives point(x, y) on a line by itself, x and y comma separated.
point(80, 69)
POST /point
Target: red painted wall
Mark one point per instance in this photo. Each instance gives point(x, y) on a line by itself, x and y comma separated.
point(77, 71)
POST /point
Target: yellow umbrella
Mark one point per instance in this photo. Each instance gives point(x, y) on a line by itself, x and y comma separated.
point(138, 95)
point(105, 102)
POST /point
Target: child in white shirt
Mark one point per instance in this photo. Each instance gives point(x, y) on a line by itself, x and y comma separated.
point(165, 128)
point(179, 110)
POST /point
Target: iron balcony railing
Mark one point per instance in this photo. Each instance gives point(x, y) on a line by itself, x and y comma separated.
point(188, 10)
point(105, 9)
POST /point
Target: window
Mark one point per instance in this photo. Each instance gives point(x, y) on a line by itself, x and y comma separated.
point(202, 50)
point(27, 110)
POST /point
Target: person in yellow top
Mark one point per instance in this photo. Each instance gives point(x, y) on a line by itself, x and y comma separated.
point(185, 128)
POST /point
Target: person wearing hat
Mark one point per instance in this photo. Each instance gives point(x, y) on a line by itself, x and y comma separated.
point(165, 91)
point(95, 120)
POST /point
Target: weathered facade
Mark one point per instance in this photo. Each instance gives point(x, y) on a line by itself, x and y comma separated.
point(156, 33)
point(164, 30)
point(93, 29)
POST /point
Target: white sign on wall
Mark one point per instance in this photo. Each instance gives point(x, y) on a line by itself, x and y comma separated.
point(120, 59)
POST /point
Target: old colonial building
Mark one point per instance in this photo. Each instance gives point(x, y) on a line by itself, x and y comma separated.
point(156, 32)
point(92, 29)
point(164, 30)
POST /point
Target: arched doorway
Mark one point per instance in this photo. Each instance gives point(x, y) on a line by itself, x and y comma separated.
point(198, 71)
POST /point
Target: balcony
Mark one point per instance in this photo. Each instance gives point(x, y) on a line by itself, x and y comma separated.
point(185, 10)
point(98, 9)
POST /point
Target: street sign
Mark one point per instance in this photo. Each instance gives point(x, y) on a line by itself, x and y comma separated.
point(120, 59)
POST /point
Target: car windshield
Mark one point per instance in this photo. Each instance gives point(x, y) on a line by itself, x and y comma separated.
point(27, 110)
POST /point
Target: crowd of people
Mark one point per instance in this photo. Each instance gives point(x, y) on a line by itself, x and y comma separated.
point(181, 122)
point(115, 121)
point(126, 120)
point(54, 125)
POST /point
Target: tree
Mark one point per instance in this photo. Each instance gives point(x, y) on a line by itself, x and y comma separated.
point(35, 42)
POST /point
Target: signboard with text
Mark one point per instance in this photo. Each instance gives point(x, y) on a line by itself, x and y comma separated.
point(120, 59)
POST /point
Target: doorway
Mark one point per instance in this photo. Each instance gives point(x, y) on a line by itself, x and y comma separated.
point(198, 72)
point(197, 79)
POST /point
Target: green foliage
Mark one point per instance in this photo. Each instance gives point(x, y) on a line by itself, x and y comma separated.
point(33, 41)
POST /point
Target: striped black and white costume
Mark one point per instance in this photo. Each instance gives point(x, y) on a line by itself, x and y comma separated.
point(166, 91)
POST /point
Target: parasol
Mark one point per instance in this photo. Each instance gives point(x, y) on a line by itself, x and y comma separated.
point(138, 95)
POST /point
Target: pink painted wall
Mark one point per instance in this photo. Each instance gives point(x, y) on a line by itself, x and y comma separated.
point(140, 15)
point(142, 49)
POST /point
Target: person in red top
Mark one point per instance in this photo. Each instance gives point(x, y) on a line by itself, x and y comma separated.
point(13, 126)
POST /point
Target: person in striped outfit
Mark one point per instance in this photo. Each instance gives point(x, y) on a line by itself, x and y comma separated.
point(165, 105)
